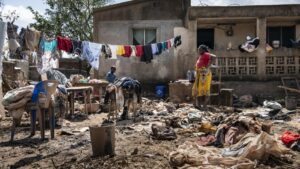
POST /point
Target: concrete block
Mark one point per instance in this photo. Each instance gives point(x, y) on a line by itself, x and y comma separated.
point(180, 91)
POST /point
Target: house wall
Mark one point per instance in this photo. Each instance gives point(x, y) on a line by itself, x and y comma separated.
point(120, 32)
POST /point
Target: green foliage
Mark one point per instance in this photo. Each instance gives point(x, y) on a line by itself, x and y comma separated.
point(72, 18)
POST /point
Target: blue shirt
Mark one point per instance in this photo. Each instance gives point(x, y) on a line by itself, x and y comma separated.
point(110, 77)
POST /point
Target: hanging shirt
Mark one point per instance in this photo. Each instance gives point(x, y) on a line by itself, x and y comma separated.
point(169, 44)
point(177, 41)
point(127, 51)
point(159, 48)
point(172, 42)
point(120, 50)
point(77, 47)
point(148, 56)
point(203, 60)
point(48, 46)
point(32, 39)
point(165, 46)
point(139, 50)
point(64, 44)
point(154, 49)
point(113, 49)
point(133, 51)
point(91, 52)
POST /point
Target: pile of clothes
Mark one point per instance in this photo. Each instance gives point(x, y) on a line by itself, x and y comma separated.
point(15, 101)
point(243, 140)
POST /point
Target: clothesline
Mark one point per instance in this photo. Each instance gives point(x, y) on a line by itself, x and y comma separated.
point(33, 40)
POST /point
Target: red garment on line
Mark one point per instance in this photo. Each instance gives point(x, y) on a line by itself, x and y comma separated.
point(64, 44)
point(139, 50)
point(128, 51)
point(203, 60)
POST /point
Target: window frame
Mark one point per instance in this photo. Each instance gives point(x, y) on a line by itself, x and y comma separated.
point(213, 37)
point(144, 30)
point(282, 44)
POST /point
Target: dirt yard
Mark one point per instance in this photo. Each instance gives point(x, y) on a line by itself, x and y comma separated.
point(135, 148)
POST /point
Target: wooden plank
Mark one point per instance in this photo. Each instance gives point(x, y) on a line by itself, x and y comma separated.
point(290, 89)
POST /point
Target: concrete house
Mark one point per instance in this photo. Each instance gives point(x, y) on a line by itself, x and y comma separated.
point(222, 28)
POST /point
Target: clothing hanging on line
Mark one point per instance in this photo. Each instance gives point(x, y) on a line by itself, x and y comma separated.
point(148, 56)
point(128, 51)
point(77, 47)
point(113, 49)
point(106, 51)
point(65, 44)
point(48, 46)
point(32, 39)
point(91, 52)
point(120, 50)
point(154, 49)
point(177, 41)
point(133, 51)
point(139, 50)
point(159, 48)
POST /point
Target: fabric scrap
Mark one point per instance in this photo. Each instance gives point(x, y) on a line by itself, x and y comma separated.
point(288, 138)
point(163, 133)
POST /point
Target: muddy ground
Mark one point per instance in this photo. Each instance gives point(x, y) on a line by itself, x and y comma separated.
point(134, 146)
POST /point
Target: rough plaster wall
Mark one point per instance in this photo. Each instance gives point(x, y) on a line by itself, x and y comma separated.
point(186, 55)
point(120, 32)
point(2, 37)
point(298, 32)
point(241, 31)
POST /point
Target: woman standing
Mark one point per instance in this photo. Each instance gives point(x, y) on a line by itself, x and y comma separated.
point(201, 88)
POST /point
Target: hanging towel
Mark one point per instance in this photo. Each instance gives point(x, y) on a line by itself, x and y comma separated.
point(133, 51)
point(165, 46)
point(177, 41)
point(32, 39)
point(148, 56)
point(64, 44)
point(77, 47)
point(113, 49)
point(154, 49)
point(139, 50)
point(120, 50)
point(159, 48)
point(127, 51)
point(91, 52)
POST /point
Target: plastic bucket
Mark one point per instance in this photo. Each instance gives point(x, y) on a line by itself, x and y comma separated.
point(291, 103)
point(160, 91)
point(103, 140)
